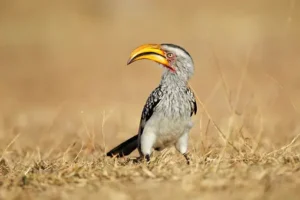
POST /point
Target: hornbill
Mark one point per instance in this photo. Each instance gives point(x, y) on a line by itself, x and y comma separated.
point(166, 117)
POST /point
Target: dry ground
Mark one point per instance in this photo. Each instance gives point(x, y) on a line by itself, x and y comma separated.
point(66, 97)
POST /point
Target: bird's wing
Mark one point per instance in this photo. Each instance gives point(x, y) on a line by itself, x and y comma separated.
point(150, 106)
point(192, 100)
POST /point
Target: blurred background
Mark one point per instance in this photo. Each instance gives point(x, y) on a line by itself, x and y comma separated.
point(64, 79)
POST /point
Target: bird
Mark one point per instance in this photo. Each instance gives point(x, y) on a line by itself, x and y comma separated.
point(166, 118)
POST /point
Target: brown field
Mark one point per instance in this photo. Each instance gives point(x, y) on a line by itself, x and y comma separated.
point(67, 96)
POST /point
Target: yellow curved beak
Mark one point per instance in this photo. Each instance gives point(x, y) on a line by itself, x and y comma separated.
point(150, 52)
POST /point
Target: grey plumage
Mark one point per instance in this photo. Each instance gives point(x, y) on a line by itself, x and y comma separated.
point(166, 117)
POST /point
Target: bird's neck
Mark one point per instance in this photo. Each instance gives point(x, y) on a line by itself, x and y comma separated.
point(173, 80)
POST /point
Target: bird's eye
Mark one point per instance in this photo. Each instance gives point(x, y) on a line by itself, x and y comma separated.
point(169, 55)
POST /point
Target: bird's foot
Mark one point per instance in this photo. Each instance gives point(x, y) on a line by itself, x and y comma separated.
point(147, 157)
point(187, 158)
point(137, 160)
point(141, 159)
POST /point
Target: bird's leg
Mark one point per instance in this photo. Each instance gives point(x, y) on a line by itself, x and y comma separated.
point(181, 146)
point(187, 158)
point(146, 144)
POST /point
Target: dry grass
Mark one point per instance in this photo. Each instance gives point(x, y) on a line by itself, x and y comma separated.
point(67, 97)
point(78, 173)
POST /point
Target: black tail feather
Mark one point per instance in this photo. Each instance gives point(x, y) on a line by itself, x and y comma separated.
point(124, 148)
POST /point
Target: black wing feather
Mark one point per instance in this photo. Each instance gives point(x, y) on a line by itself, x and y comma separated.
point(195, 107)
point(193, 101)
point(150, 106)
point(151, 103)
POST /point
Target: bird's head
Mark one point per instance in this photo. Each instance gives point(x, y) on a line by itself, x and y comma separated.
point(175, 59)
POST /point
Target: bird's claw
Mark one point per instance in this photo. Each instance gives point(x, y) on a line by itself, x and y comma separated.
point(147, 157)
point(187, 158)
point(141, 158)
